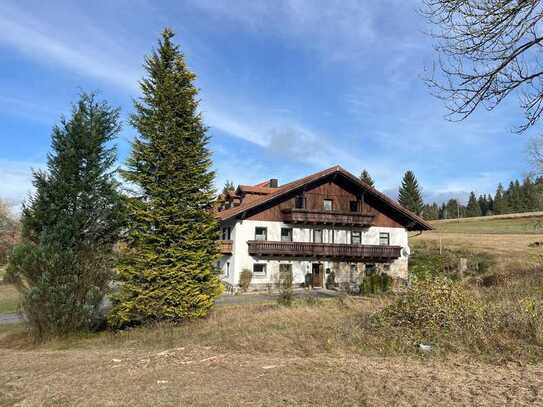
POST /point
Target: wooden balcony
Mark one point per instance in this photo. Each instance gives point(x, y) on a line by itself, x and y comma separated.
point(324, 250)
point(320, 217)
point(225, 246)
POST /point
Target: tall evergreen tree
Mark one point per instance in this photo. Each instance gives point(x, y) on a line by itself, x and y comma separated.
point(483, 204)
point(500, 201)
point(473, 208)
point(366, 177)
point(168, 272)
point(410, 196)
point(431, 212)
point(63, 267)
point(228, 187)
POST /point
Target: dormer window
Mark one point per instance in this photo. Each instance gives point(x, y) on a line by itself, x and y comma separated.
point(327, 204)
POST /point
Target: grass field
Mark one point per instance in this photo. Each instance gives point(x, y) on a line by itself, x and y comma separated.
point(314, 353)
point(492, 225)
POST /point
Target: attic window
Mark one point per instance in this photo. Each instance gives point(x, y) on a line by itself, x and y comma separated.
point(327, 204)
point(299, 202)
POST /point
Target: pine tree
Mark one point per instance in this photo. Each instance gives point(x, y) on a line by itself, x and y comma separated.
point(473, 208)
point(228, 187)
point(453, 209)
point(431, 212)
point(63, 267)
point(500, 201)
point(366, 177)
point(410, 195)
point(483, 204)
point(168, 271)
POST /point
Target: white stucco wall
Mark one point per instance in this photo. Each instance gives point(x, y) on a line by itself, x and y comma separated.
point(243, 231)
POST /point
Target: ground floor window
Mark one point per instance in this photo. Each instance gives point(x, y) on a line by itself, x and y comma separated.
point(370, 269)
point(259, 270)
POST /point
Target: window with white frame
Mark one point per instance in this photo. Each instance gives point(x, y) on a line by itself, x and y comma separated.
point(227, 269)
point(356, 237)
point(259, 269)
point(261, 233)
point(384, 239)
point(327, 204)
point(286, 234)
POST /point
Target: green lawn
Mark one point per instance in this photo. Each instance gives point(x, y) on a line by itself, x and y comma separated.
point(531, 225)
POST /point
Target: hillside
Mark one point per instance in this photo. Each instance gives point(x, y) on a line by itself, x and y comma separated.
point(516, 223)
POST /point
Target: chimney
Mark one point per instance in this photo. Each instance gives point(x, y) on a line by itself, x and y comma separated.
point(274, 183)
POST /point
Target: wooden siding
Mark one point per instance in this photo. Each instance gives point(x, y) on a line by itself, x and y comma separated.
point(341, 192)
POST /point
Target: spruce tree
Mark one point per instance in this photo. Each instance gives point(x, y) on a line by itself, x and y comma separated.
point(366, 177)
point(473, 209)
point(70, 224)
point(500, 201)
point(168, 271)
point(228, 187)
point(410, 195)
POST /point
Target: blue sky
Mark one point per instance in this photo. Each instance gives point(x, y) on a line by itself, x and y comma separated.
point(287, 87)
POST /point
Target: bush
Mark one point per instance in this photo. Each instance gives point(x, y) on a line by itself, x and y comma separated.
point(375, 284)
point(245, 279)
point(331, 280)
point(435, 304)
point(285, 288)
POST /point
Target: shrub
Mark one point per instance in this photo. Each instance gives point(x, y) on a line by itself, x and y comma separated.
point(431, 305)
point(331, 280)
point(375, 284)
point(245, 279)
point(285, 288)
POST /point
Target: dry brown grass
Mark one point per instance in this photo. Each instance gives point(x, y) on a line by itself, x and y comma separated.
point(9, 298)
point(308, 354)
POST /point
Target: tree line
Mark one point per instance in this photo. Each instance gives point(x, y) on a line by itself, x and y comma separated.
point(148, 238)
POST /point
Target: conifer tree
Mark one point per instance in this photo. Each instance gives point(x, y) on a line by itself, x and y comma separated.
point(410, 196)
point(500, 202)
point(168, 271)
point(70, 224)
point(228, 187)
point(483, 204)
point(473, 208)
point(366, 177)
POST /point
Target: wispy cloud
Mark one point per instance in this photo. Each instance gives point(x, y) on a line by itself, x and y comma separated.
point(17, 180)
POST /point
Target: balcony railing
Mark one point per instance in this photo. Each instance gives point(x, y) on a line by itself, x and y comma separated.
point(328, 250)
point(307, 216)
point(225, 246)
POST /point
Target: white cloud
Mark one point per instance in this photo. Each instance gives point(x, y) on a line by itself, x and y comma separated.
point(16, 182)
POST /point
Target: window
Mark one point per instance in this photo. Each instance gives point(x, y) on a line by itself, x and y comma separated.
point(384, 239)
point(299, 202)
point(226, 233)
point(261, 233)
point(317, 235)
point(386, 267)
point(356, 237)
point(286, 234)
point(331, 236)
point(327, 204)
point(354, 206)
point(285, 273)
point(259, 270)
point(227, 269)
point(370, 269)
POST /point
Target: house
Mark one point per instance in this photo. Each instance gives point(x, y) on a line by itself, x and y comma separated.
point(326, 222)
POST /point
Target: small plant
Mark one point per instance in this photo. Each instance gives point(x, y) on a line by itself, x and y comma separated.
point(285, 288)
point(245, 279)
point(331, 280)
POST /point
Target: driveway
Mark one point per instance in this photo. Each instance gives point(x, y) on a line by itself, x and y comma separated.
point(225, 299)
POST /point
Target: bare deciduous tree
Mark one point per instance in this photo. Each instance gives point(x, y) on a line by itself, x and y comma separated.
point(487, 50)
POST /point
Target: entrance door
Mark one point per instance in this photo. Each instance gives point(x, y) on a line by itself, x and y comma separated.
point(317, 274)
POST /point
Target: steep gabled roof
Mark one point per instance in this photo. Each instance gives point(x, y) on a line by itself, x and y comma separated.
point(418, 222)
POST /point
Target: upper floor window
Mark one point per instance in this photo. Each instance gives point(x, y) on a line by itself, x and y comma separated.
point(356, 237)
point(286, 234)
point(299, 202)
point(327, 204)
point(384, 239)
point(317, 235)
point(226, 233)
point(354, 205)
point(261, 233)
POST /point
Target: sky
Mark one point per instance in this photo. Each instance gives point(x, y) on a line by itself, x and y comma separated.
point(287, 88)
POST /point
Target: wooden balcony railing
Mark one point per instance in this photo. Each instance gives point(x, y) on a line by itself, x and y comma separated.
point(307, 216)
point(225, 246)
point(334, 250)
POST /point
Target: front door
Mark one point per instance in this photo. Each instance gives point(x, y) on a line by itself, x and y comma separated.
point(317, 274)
